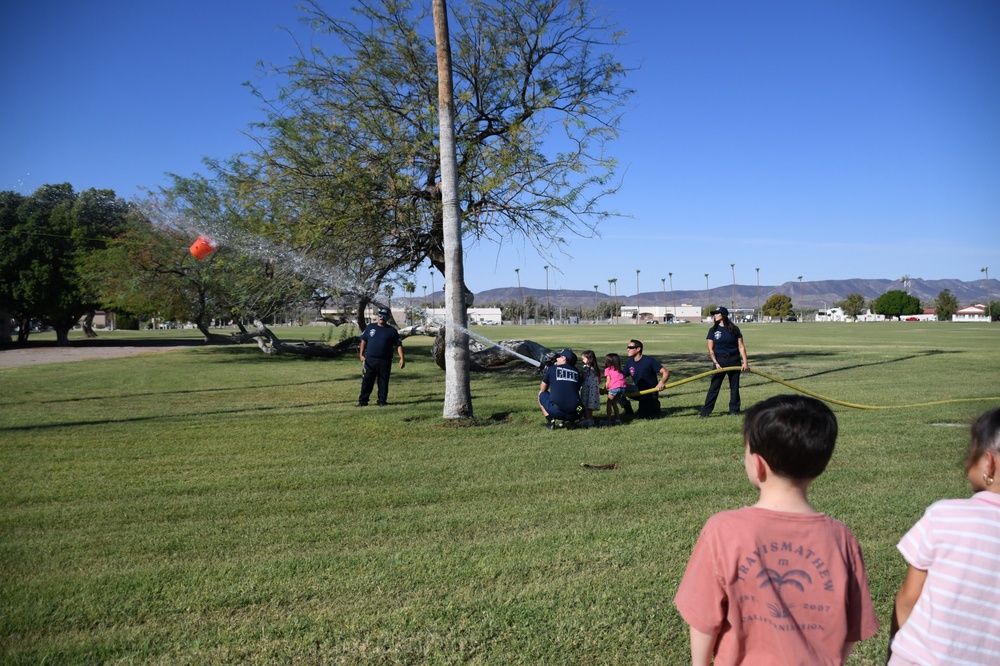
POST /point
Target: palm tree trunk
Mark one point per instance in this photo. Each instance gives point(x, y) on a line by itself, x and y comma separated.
point(458, 391)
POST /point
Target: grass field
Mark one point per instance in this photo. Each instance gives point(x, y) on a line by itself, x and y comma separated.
point(215, 505)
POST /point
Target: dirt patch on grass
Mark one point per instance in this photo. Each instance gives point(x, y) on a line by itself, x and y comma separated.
point(39, 353)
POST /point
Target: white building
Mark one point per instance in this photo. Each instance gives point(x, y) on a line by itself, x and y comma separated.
point(683, 312)
point(837, 314)
point(476, 316)
point(972, 313)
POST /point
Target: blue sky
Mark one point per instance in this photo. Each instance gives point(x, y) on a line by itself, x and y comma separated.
point(828, 139)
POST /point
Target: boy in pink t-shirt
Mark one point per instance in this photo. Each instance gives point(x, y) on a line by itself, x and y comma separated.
point(778, 582)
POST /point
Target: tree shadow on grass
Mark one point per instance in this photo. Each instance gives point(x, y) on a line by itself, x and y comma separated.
point(160, 417)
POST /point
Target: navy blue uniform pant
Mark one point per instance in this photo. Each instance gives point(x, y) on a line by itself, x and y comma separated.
point(375, 369)
point(725, 361)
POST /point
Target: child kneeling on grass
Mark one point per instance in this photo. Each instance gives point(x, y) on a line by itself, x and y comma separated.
point(778, 582)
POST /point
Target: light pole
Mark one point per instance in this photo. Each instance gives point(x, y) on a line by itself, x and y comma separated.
point(612, 302)
point(708, 292)
point(800, 298)
point(520, 296)
point(595, 303)
point(637, 295)
point(673, 301)
point(425, 295)
point(664, 282)
point(613, 285)
point(548, 303)
point(732, 301)
point(433, 302)
point(759, 313)
point(989, 315)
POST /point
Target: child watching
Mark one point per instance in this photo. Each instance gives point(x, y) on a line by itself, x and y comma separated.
point(590, 388)
point(778, 582)
point(946, 609)
point(614, 386)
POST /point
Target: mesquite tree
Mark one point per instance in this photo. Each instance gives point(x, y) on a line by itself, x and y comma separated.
point(349, 166)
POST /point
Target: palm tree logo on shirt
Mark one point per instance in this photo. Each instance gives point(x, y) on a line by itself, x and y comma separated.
point(772, 577)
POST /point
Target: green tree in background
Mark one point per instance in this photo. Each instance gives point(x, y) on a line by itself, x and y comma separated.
point(778, 306)
point(44, 238)
point(945, 305)
point(896, 303)
point(853, 306)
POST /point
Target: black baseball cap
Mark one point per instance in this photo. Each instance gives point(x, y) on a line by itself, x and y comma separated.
point(720, 310)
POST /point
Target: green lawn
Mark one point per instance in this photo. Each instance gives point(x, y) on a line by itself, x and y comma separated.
point(215, 505)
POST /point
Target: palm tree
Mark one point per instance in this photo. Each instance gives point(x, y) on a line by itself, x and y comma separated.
point(458, 391)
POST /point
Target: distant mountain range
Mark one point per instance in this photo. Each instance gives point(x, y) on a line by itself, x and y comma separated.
point(819, 294)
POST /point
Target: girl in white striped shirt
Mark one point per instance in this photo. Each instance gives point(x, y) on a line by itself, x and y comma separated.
point(948, 607)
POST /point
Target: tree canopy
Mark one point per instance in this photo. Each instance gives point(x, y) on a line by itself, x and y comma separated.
point(896, 303)
point(779, 305)
point(42, 241)
point(349, 167)
point(853, 306)
point(945, 305)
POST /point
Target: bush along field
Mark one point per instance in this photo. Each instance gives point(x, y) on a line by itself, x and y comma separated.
point(216, 505)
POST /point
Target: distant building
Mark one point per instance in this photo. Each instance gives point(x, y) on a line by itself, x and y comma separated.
point(972, 313)
point(684, 312)
point(476, 316)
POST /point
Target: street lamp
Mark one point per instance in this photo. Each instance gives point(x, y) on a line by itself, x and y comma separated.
point(989, 315)
point(433, 302)
point(759, 313)
point(664, 282)
point(595, 304)
point(708, 292)
point(613, 286)
point(732, 301)
point(548, 303)
point(637, 295)
point(671, 276)
point(520, 317)
point(800, 298)
point(425, 295)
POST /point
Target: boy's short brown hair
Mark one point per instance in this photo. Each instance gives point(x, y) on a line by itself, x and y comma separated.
point(795, 434)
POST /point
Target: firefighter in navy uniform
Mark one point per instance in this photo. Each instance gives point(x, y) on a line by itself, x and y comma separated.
point(378, 341)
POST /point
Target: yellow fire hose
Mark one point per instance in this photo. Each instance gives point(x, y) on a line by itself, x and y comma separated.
point(804, 391)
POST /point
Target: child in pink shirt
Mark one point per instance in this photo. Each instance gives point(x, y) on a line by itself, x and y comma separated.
point(778, 582)
point(946, 609)
point(614, 386)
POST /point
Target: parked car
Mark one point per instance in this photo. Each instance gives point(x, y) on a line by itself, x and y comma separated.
point(652, 321)
point(791, 318)
point(912, 319)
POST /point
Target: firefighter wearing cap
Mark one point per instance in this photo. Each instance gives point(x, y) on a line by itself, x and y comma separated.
point(377, 342)
point(559, 392)
point(725, 347)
